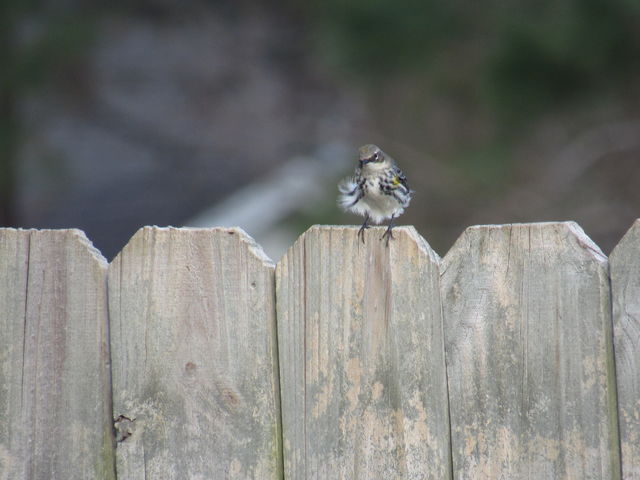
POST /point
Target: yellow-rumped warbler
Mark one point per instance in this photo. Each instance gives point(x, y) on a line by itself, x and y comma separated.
point(377, 191)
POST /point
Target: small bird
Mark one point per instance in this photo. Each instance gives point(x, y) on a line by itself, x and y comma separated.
point(378, 190)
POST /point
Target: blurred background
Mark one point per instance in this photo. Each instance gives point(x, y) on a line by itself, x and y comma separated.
point(241, 112)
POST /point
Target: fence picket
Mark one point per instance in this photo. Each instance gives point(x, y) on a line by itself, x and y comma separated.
point(55, 399)
point(362, 357)
point(529, 354)
point(625, 294)
point(194, 356)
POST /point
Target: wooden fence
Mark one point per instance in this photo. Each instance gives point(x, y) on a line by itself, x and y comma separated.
point(192, 356)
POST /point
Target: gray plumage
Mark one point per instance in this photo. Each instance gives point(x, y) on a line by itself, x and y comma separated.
point(378, 191)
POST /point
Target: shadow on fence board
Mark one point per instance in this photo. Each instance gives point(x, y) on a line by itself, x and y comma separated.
point(347, 360)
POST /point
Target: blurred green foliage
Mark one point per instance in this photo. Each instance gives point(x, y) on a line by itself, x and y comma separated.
point(562, 51)
point(531, 55)
point(381, 37)
point(36, 42)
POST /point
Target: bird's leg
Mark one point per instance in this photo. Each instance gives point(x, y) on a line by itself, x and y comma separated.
point(388, 233)
point(364, 226)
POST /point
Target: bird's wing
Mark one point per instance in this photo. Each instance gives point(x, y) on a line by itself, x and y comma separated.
point(399, 178)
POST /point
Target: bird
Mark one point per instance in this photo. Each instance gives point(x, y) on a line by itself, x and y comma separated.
point(377, 191)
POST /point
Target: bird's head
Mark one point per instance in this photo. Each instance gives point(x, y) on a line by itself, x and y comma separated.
point(370, 154)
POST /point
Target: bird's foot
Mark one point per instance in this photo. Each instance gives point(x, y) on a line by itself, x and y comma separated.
point(387, 235)
point(364, 226)
point(361, 232)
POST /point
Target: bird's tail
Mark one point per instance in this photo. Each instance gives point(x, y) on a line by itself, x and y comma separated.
point(348, 193)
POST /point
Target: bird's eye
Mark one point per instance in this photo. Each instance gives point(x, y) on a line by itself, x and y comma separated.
point(376, 157)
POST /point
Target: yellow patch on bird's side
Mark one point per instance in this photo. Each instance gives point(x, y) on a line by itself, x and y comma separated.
point(395, 181)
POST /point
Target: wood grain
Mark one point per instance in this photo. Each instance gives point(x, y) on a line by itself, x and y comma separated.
point(194, 356)
point(362, 357)
point(625, 294)
point(55, 399)
point(529, 354)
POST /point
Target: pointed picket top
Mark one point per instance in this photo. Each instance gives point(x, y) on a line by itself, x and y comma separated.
point(55, 418)
point(86, 243)
point(573, 232)
point(361, 356)
point(625, 294)
point(144, 234)
point(628, 240)
point(194, 362)
point(73, 236)
point(373, 238)
point(529, 353)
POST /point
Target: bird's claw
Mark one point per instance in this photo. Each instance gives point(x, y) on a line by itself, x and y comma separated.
point(387, 235)
point(364, 226)
point(361, 232)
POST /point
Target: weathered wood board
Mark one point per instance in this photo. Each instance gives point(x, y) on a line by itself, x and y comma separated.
point(194, 357)
point(625, 293)
point(362, 357)
point(529, 354)
point(55, 398)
